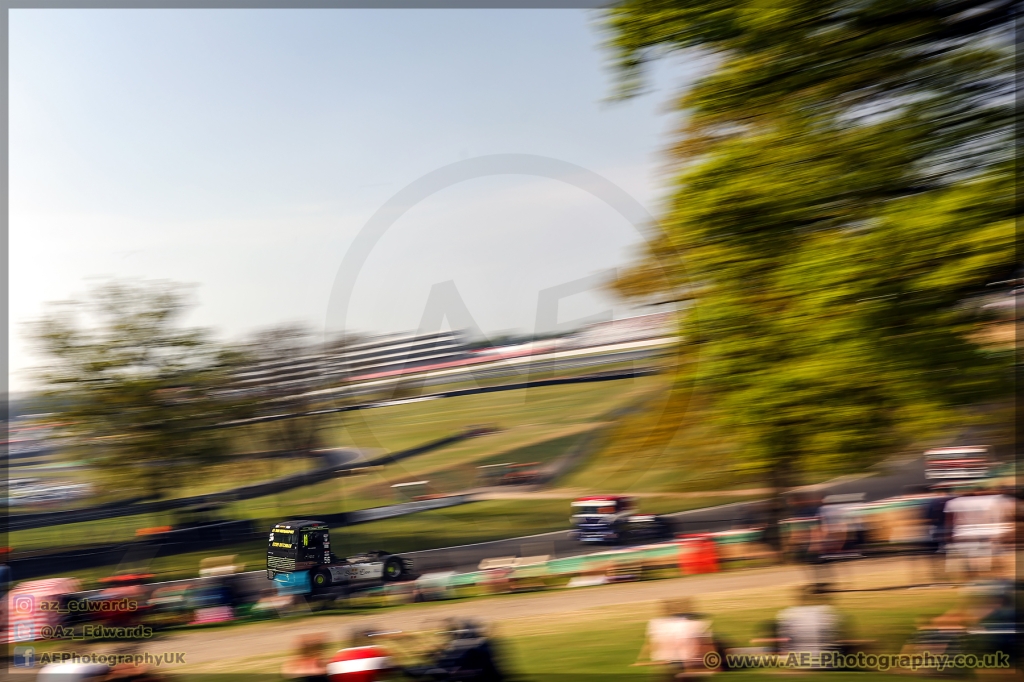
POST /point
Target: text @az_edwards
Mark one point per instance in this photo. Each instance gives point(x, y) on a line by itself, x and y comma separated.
point(95, 631)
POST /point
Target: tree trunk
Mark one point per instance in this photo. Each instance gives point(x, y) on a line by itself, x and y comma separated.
point(781, 475)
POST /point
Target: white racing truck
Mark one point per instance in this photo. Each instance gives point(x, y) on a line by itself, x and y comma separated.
point(614, 519)
point(299, 555)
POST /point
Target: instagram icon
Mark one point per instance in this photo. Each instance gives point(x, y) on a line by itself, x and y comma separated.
point(24, 604)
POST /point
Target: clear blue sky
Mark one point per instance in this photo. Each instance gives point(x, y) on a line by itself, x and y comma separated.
point(243, 150)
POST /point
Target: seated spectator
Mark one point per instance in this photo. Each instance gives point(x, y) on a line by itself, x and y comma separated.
point(307, 663)
point(996, 626)
point(945, 634)
point(678, 640)
point(468, 654)
point(814, 626)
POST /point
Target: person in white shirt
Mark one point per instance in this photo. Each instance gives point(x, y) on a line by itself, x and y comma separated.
point(982, 524)
point(814, 626)
point(678, 640)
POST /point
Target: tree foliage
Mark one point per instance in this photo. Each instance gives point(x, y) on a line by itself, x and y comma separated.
point(844, 187)
point(135, 387)
point(288, 342)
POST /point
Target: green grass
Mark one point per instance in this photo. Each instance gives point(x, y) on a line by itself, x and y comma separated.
point(542, 453)
point(536, 425)
point(86, 533)
point(602, 643)
point(402, 426)
point(669, 447)
point(243, 471)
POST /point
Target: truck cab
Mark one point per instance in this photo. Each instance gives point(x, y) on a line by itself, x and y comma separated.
point(298, 546)
point(300, 552)
point(614, 519)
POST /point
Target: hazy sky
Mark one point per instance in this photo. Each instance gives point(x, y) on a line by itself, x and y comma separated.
point(242, 150)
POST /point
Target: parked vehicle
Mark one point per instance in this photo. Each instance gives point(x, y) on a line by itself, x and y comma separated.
point(521, 474)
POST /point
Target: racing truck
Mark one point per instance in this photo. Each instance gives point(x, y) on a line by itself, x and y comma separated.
point(614, 519)
point(299, 553)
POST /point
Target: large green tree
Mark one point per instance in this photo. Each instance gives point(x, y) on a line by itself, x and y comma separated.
point(135, 387)
point(843, 191)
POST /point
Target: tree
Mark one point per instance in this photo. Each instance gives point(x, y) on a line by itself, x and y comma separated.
point(291, 389)
point(844, 187)
point(134, 386)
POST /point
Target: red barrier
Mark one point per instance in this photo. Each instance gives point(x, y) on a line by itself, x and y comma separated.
point(698, 554)
point(359, 664)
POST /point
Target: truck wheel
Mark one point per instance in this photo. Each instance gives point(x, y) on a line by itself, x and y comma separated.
point(622, 535)
point(321, 579)
point(393, 568)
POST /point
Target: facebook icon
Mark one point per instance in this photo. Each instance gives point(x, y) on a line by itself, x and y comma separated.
point(24, 656)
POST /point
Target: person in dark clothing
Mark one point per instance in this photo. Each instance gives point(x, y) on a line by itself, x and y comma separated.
point(938, 532)
point(468, 656)
point(934, 517)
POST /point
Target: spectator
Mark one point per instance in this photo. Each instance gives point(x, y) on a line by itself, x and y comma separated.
point(930, 536)
point(838, 535)
point(678, 640)
point(307, 664)
point(823, 532)
point(802, 529)
point(468, 656)
point(942, 635)
point(937, 529)
point(814, 626)
point(984, 623)
point(982, 527)
point(996, 628)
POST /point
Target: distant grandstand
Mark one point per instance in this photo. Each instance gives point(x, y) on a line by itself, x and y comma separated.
point(395, 355)
point(309, 370)
point(404, 351)
point(640, 328)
